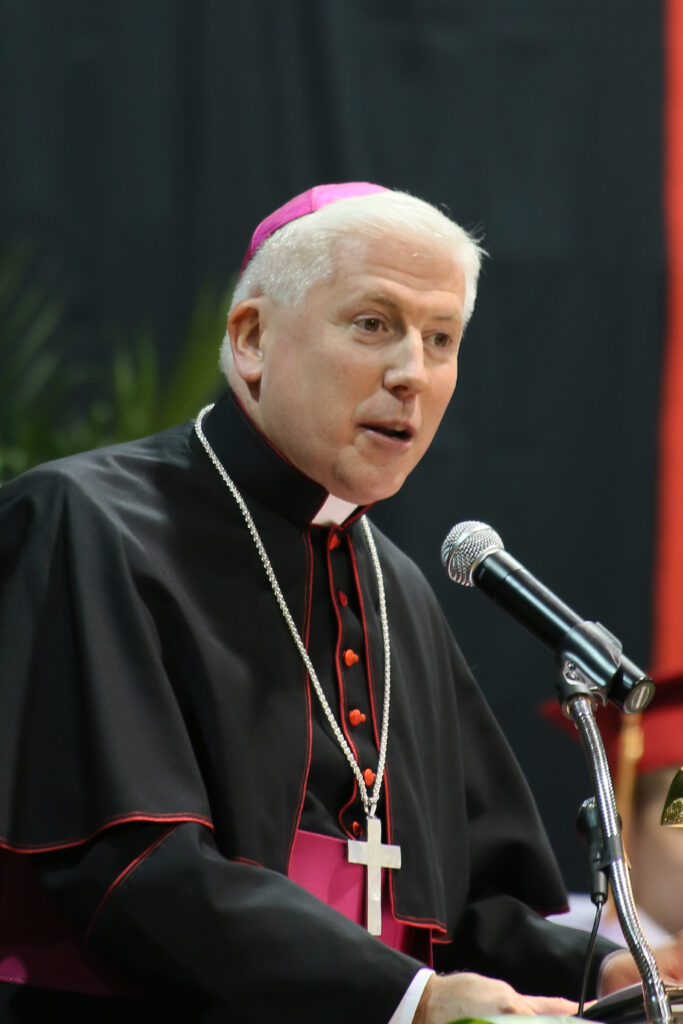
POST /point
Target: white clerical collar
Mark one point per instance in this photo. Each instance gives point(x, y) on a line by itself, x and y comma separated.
point(333, 512)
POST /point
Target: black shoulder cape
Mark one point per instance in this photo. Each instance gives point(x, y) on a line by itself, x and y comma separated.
point(146, 673)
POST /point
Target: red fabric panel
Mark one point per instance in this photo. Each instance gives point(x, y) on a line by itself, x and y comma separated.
point(668, 603)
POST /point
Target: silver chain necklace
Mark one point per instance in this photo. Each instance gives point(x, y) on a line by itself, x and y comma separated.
point(369, 802)
point(371, 853)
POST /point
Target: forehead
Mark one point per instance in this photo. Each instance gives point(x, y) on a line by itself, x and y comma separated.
point(400, 268)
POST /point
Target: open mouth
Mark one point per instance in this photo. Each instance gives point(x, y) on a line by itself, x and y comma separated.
point(400, 433)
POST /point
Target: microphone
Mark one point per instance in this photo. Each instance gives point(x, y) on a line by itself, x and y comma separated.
point(474, 556)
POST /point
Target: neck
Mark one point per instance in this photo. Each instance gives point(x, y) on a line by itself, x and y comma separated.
point(262, 471)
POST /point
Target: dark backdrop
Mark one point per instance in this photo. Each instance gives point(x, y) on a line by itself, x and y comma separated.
point(141, 140)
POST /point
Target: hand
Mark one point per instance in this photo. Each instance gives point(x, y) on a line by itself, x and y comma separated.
point(447, 997)
point(619, 969)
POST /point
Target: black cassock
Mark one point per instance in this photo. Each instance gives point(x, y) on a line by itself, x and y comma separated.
point(160, 741)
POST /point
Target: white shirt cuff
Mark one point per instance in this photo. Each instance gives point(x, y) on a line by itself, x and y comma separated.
point(405, 1011)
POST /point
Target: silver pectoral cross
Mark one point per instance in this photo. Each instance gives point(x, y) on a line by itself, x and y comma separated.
point(375, 857)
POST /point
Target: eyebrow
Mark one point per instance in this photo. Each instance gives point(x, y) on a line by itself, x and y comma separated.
point(387, 300)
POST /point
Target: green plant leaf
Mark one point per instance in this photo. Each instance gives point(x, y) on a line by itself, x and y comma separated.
point(52, 404)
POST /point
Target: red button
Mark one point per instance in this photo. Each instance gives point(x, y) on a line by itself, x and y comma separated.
point(350, 657)
point(334, 541)
point(343, 599)
point(356, 716)
point(357, 829)
point(369, 776)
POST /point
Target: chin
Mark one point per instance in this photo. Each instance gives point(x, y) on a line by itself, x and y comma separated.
point(366, 482)
point(371, 492)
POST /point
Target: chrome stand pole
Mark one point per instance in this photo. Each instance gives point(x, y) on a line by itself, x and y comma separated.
point(657, 1006)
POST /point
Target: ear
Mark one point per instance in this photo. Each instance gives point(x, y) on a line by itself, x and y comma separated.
point(245, 329)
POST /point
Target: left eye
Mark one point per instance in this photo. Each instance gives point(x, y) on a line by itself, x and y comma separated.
point(371, 324)
point(440, 339)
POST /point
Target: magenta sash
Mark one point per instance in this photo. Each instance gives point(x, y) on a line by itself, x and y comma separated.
point(319, 864)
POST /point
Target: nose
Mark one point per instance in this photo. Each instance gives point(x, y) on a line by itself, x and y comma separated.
point(405, 374)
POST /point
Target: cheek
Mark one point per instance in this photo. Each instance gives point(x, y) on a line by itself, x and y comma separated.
point(289, 386)
point(440, 399)
point(671, 846)
point(660, 849)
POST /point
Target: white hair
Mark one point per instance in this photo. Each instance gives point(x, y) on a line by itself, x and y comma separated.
point(301, 253)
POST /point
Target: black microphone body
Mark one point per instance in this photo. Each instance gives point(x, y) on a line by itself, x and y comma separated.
point(508, 583)
point(588, 645)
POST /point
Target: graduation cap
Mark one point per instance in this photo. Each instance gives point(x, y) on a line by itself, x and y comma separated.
point(636, 744)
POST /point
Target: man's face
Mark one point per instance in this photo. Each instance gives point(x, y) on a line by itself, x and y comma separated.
point(352, 384)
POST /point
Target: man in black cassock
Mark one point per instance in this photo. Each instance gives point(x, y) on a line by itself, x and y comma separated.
point(208, 710)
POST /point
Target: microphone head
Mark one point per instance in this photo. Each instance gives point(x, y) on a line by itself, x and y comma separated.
point(465, 546)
